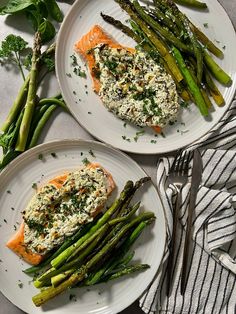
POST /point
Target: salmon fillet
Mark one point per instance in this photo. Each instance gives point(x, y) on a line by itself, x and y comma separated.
point(16, 242)
point(89, 41)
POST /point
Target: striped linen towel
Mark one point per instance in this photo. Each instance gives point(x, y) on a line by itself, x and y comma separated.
point(211, 283)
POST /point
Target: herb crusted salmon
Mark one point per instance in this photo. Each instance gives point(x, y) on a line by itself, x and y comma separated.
point(58, 209)
point(129, 82)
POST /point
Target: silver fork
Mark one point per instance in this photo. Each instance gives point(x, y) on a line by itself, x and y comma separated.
point(178, 176)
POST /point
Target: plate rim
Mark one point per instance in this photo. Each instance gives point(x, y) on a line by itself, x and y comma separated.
point(10, 167)
point(127, 150)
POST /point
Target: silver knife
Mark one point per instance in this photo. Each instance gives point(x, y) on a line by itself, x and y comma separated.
point(196, 180)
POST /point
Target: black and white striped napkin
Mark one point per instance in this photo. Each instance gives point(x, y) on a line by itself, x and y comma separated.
point(211, 284)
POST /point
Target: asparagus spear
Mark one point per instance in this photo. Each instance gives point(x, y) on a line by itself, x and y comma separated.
point(193, 87)
point(119, 255)
point(60, 259)
point(161, 30)
point(31, 96)
point(206, 41)
point(195, 45)
point(216, 70)
point(84, 270)
point(166, 8)
point(17, 105)
point(125, 217)
point(165, 20)
point(213, 89)
point(158, 43)
point(125, 271)
point(192, 3)
point(74, 264)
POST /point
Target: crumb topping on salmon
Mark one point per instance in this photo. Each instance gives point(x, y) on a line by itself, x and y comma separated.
point(129, 82)
point(59, 208)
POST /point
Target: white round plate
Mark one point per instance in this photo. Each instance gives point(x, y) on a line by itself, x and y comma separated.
point(86, 106)
point(15, 192)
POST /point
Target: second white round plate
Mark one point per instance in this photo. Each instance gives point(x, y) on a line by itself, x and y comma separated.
point(87, 107)
point(40, 164)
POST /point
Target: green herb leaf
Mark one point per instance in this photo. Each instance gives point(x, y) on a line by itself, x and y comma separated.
point(14, 6)
point(54, 10)
point(12, 44)
point(47, 31)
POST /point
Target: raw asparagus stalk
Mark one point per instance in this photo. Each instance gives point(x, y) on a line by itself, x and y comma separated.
point(31, 96)
point(17, 105)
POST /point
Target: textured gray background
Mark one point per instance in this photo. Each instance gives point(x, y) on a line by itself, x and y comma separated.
point(10, 84)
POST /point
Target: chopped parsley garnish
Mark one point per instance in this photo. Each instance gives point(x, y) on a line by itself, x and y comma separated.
point(68, 74)
point(74, 60)
point(20, 284)
point(126, 138)
point(32, 224)
point(85, 161)
point(40, 156)
point(153, 141)
point(111, 65)
point(124, 125)
point(54, 155)
point(34, 185)
point(81, 154)
point(8, 192)
point(162, 134)
point(89, 112)
point(5, 220)
point(184, 104)
point(91, 153)
point(205, 25)
point(79, 72)
point(72, 297)
point(138, 134)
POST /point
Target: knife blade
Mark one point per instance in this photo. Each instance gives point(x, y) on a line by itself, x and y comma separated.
point(195, 182)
